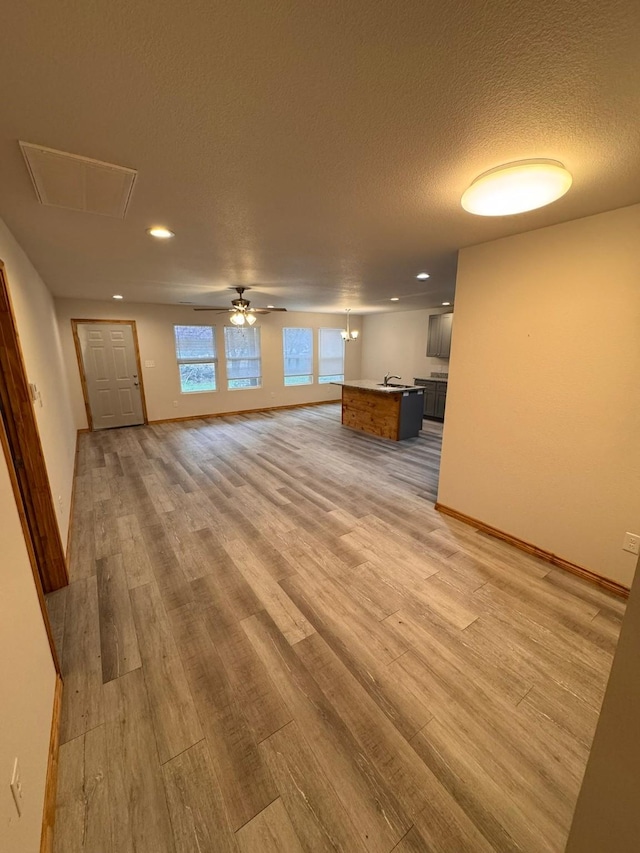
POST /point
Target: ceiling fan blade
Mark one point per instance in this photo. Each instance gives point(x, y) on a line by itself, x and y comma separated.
point(266, 310)
point(207, 308)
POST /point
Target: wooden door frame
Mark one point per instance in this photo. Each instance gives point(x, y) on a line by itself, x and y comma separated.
point(29, 481)
point(83, 378)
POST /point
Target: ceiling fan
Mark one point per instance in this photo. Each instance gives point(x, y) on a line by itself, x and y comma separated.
point(241, 313)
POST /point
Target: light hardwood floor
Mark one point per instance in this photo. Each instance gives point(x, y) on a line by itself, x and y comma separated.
point(272, 642)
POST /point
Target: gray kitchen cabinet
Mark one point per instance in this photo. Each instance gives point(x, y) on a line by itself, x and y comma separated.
point(435, 398)
point(439, 335)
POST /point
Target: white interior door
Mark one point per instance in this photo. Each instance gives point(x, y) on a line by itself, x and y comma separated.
point(111, 374)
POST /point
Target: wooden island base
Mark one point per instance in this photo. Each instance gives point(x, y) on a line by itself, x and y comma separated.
point(389, 415)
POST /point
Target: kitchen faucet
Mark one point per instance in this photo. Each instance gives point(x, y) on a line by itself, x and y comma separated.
point(390, 376)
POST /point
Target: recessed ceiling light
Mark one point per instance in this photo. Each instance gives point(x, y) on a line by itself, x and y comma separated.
point(446, 303)
point(160, 232)
point(395, 299)
point(422, 275)
point(117, 296)
point(516, 188)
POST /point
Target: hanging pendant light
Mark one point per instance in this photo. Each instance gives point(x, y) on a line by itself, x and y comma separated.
point(347, 334)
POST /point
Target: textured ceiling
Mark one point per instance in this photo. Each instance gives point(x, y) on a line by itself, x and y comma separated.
point(315, 150)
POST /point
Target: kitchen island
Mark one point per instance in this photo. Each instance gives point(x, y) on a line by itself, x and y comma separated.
point(391, 411)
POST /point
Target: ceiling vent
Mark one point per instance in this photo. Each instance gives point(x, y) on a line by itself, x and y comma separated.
point(78, 183)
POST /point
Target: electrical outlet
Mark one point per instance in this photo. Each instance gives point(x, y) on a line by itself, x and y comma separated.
point(175, 404)
point(16, 787)
point(631, 543)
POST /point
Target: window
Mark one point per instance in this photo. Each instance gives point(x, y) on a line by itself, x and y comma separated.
point(331, 355)
point(196, 355)
point(244, 365)
point(297, 348)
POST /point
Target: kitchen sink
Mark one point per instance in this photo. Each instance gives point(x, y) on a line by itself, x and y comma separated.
point(393, 385)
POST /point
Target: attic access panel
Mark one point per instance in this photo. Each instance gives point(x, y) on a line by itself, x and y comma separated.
point(78, 183)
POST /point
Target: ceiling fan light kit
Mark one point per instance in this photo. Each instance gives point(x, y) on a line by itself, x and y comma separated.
point(239, 318)
point(517, 187)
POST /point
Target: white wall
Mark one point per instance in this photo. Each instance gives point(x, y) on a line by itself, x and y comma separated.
point(27, 673)
point(542, 432)
point(162, 387)
point(41, 349)
point(607, 817)
point(397, 343)
point(27, 677)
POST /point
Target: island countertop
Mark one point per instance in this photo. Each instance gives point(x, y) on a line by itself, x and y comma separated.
point(372, 385)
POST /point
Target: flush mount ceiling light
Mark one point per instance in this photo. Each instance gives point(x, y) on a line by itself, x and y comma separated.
point(395, 299)
point(516, 188)
point(117, 296)
point(422, 276)
point(446, 303)
point(160, 232)
point(347, 334)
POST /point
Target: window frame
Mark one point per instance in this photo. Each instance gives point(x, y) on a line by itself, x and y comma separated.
point(213, 360)
point(285, 375)
point(229, 360)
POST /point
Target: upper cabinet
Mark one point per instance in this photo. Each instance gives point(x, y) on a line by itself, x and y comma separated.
point(439, 339)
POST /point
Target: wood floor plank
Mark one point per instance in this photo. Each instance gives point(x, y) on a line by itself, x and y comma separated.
point(484, 800)
point(269, 832)
point(247, 786)
point(388, 751)
point(171, 580)
point(139, 814)
point(335, 610)
point(430, 637)
point(82, 552)
point(105, 529)
point(97, 833)
point(82, 707)
point(375, 812)
point(226, 591)
point(175, 720)
point(118, 637)
point(70, 804)
point(83, 822)
point(135, 560)
point(286, 615)
point(56, 609)
point(259, 701)
point(320, 820)
point(397, 696)
point(529, 766)
point(198, 816)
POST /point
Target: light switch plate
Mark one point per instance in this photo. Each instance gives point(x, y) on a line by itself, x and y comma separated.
point(149, 362)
